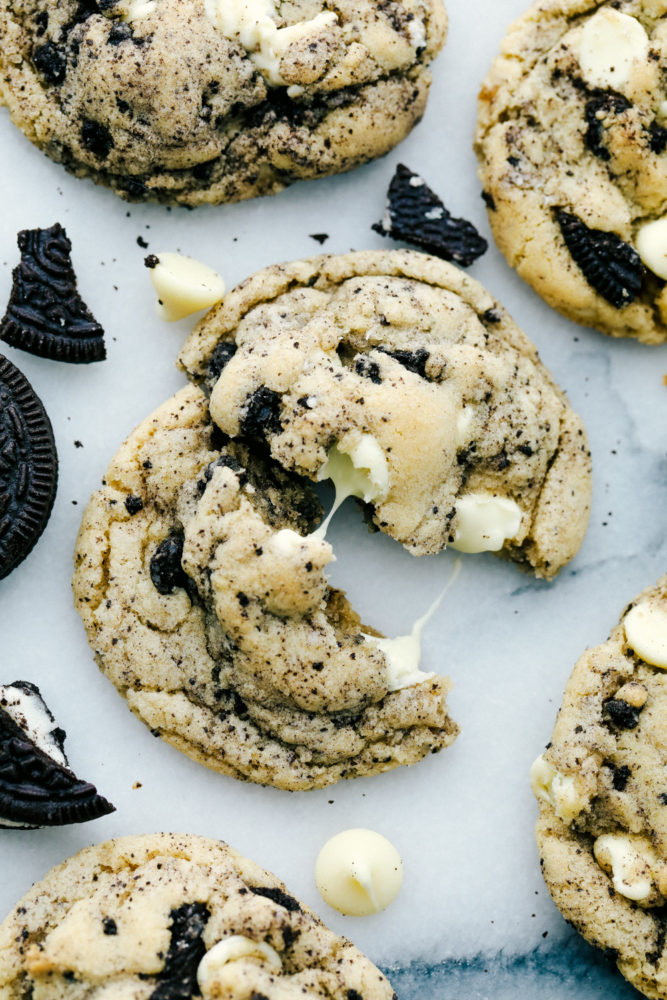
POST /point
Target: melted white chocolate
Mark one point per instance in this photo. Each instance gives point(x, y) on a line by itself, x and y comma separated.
point(559, 790)
point(252, 21)
point(611, 43)
point(184, 286)
point(358, 468)
point(485, 522)
point(231, 949)
point(646, 631)
point(629, 866)
point(651, 243)
point(358, 872)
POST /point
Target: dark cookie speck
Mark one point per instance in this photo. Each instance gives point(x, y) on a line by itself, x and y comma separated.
point(613, 268)
point(261, 414)
point(178, 979)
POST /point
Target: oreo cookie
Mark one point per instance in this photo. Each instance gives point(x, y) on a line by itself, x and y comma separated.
point(28, 467)
point(37, 787)
point(46, 315)
point(416, 215)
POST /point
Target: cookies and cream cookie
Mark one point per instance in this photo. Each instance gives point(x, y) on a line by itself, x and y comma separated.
point(397, 371)
point(203, 591)
point(170, 916)
point(572, 147)
point(602, 791)
point(196, 101)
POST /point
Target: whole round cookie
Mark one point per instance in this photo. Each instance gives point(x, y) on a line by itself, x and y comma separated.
point(399, 367)
point(171, 916)
point(572, 148)
point(204, 596)
point(196, 101)
point(602, 791)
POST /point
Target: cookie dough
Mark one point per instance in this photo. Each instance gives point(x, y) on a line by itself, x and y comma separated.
point(399, 365)
point(572, 147)
point(167, 916)
point(203, 591)
point(195, 101)
point(602, 793)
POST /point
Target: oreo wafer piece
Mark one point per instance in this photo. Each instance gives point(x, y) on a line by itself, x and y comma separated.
point(46, 315)
point(37, 788)
point(28, 467)
point(415, 214)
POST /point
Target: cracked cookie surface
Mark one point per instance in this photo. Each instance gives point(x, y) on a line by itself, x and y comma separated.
point(572, 148)
point(194, 101)
point(404, 355)
point(166, 917)
point(205, 600)
point(602, 792)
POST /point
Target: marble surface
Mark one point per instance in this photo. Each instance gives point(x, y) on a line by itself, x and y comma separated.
point(474, 918)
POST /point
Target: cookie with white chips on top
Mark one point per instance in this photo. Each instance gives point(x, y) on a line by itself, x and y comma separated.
point(601, 786)
point(572, 147)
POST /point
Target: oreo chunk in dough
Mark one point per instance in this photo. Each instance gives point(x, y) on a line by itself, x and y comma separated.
point(181, 101)
point(417, 215)
point(172, 917)
point(210, 611)
point(602, 791)
point(46, 315)
point(400, 362)
point(28, 467)
point(37, 787)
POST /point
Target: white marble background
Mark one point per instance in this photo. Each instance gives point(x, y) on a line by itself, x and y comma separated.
point(462, 820)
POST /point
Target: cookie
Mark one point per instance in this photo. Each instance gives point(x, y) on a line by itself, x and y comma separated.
point(398, 364)
point(37, 787)
point(602, 792)
point(169, 917)
point(46, 315)
point(204, 596)
point(416, 214)
point(182, 101)
point(28, 467)
point(572, 147)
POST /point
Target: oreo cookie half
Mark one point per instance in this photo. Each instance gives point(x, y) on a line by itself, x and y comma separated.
point(414, 213)
point(46, 315)
point(37, 787)
point(28, 467)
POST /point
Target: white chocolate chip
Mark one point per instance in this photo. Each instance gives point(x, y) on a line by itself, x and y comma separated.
point(359, 872)
point(358, 468)
point(484, 522)
point(184, 285)
point(561, 791)
point(611, 43)
point(230, 949)
point(252, 21)
point(651, 246)
point(140, 8)
point(646, 631)
point(630, 867)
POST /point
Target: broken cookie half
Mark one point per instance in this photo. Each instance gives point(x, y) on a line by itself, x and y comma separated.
point(602, 791)
point(168, 917)
point(403, 380)
point(201, 584)
point(37, 787)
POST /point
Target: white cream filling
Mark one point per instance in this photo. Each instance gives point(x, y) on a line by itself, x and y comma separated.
point(646, 631)
point(230, 949)
point(358, 468)
point(184, 286)
point(611, 43)
point(29, 712)
point(630, 870)
point(252, 21)
point(358, 872)
point(559, 790)
point(485, 522)
point(651, 246)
